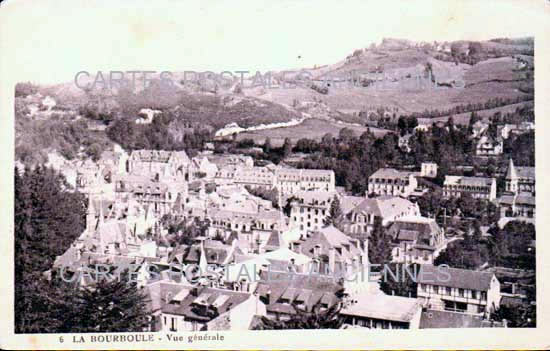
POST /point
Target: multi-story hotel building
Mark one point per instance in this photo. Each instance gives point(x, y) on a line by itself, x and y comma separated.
point(477, 187)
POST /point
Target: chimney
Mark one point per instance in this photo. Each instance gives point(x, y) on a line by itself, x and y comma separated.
point(513, 288)
point(268, 296)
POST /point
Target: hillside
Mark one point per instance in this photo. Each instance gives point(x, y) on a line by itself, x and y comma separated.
point(378, 83)
point(463, 72)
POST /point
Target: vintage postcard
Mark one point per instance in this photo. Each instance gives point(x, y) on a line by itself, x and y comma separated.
point(274, 174)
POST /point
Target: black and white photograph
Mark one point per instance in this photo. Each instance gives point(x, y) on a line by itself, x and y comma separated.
point(184, 169)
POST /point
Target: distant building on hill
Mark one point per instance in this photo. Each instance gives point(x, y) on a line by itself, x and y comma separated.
point(489, 146)
point(428, 169)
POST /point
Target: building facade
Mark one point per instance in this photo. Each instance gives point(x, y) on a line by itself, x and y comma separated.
point(458, 290)
point(389, 181)
point(477, 187)
point(520, 179)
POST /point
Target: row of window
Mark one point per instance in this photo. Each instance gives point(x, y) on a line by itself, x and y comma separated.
point(309, 209)
point(448, 291)
point(389, 181)
point(484, 189)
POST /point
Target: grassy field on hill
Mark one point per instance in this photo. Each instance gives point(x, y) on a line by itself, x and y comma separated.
point(311, 128)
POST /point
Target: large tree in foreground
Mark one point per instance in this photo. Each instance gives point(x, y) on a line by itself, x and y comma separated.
point(110, 306)
point(380, 250)
point(48, 218)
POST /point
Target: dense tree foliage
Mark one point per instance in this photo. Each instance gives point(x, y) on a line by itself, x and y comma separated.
point(335, 214)
point(266, 194)
point(165, 132)
point(472, 107)
point(109, 306)
point(49, 216)
point(434, 205)
point(380, 250)
point(403, 280)
point(183, 231)
point(510, 247)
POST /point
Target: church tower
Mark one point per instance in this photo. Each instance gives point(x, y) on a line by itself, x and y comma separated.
point(511, 178)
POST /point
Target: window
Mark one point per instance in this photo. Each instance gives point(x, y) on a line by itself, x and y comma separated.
point(422, 287)
point(448, 290)
point(461, 292)
point(173, 324)
point(474, 294)
point(483, 296)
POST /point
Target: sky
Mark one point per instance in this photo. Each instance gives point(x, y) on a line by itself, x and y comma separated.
point(55, 39)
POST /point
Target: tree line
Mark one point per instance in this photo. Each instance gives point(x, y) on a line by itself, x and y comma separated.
point(48, 217)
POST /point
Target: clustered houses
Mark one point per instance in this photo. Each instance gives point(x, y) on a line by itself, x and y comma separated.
point(361, 218)
point(504, 131)
point(253, 261)
point(287, 181)
point(477, 187)
point(389, 181)
point(416, 239)
point(518, 200)
point(489, 146)
point(520, 179)
point(291, 181)
point(203, 308)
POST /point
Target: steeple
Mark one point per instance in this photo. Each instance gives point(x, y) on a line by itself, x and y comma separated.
point(511, 173)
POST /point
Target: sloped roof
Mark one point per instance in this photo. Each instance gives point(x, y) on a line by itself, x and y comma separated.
point(348, 203)
point(455, 277)
point(407, 235)
point(526, 172)
point(275, 241)
point(511, 171)
point(311, 288)
point(413, 228)
point(206, 296)
point(383, 206)
point(161, 291)
point(471, 181)
point(389, 173)
point(382, 306)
